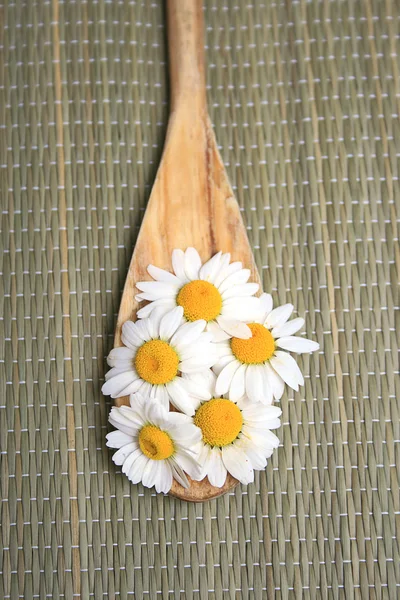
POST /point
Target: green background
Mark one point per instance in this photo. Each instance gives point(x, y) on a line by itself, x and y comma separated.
point(305, 100)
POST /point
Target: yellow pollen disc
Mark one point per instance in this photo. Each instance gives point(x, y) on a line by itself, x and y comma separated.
point(156, 362)
point(200, 300)
point(154, 443)
point(220, 421)
point(258, 349)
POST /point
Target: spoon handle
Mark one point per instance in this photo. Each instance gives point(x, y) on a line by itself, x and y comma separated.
point(186, 56)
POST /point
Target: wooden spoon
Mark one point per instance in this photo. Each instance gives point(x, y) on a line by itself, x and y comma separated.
point(192, 202)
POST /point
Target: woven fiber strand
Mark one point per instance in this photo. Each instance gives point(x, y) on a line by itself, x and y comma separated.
point(305, 98)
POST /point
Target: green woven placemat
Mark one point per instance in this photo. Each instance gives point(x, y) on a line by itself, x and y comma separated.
point(305, 99)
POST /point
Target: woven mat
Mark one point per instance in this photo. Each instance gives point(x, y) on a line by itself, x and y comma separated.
point(305, 99)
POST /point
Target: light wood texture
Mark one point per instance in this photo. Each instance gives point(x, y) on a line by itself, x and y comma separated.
point(192, 203)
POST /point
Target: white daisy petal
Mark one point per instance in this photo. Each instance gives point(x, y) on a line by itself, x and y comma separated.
point(234, 327)
point(223, 263)
point(192, 264)
point(200, 385)
point(134, 469)
point(210, 268)
point(224, 379)
point(254, 454)
point(219, 335)
point(132, 336)
point(123, 423)
point(288, 328)
point(178, 474)
point(188, 464)
point(187, 334)
point(276, 382)
point(254, 382)
point(128, 423)
point(297, 344)
point(198, 352)
point(237, 464)
point(144, 390)
point(266, 304)
point(138, 401)
point(120, 457)
point(279, 316)
point(186, 432)
point(131, 388)
point(224, 349)
point(153, 324)
point(246, 289)
point(222, 272)
point(263, 439)
point(155, 412)
point(121, 353)
point(222, 363)
point(142, 330)
point(182, 423)
point(225, 269)
point(165, 482)
point(178, 265)
point(161, 394)
point(166, 304)
point(180, 397)
point(236, 278)
point(196, 391)
point(262, 416)
point(268, 392)
point(237, 387)
point(235, 308)
point(123, 367)
point(193, 365)
point(157, 289)
point(117, 439)
point(288, 369)
point(164, 276)
point(170, 323)
point(216, 469)
point(203, 457)
point(151, 473)
point(114, 386)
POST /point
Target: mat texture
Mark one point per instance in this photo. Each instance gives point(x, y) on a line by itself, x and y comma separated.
point(305, 99)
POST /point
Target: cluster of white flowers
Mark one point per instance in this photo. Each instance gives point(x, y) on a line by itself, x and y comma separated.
point(220, 355)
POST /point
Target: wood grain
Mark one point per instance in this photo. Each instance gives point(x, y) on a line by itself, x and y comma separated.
point(191, 203)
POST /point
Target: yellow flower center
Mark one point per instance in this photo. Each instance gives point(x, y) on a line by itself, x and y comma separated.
point(220, 421)
point(258, 349)
point(155, 443)
point(200, 300)
point(156, 362)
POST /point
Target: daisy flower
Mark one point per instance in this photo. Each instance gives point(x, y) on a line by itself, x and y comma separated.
point(260, 366)
point(216, 291)
point(236, 438)
point(157, 351)
point(154, 445)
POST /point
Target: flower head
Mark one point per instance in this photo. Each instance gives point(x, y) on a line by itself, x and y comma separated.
point(260, 366)
point(236, 438)
point(160, 356)
point(217, 292)
point(154, 445)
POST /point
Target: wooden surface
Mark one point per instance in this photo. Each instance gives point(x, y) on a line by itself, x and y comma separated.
point(192, 203)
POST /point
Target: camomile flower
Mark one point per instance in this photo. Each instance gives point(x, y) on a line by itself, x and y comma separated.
point(157, 352)
point(154, 445)
point(236, 438)
point(260, 366)
point(217, 292)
